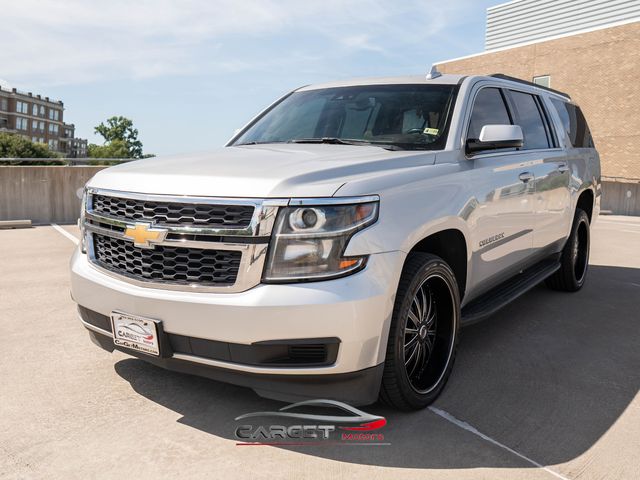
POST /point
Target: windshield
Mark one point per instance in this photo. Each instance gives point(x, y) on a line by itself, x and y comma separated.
point(400, 116)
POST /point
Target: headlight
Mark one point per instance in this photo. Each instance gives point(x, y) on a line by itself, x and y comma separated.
point(309, 240)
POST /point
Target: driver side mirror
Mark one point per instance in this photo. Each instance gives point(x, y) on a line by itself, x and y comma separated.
point(493, 137)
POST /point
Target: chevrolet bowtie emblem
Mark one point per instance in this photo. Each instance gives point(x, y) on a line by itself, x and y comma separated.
point(144, 235)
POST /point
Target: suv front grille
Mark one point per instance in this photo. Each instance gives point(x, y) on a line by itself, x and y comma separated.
point(174, 213)
point(205, 244)
point(163, 264)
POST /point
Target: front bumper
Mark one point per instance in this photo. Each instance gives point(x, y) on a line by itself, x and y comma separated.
point(356, 388)
point(356, 310)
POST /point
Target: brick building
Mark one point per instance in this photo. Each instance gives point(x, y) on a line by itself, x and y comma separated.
point(40, 120)
point(589, 49)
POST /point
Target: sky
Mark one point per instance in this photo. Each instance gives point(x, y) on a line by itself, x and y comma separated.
point(191, 72)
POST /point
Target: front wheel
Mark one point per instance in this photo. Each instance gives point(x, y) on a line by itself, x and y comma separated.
point(423, 334)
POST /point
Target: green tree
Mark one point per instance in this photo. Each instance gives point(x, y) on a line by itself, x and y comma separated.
point(121, 129)
point(113, 149)
point(16, 146)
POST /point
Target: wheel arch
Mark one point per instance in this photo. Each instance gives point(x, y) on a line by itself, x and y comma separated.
point(586, 202)
point(450, 244)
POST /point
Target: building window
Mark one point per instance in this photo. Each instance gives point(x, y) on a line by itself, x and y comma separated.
point(22, 123)
point(53, 144)
point(41, 140)
point(34, 126)
point(53, 128)
point(41, 125)
point(34, 110)
point(4, 105)
point(42, 111)
point(54, 114)
point(543, 81)
point(22, 107)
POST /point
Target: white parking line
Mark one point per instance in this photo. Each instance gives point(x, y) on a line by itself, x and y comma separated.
point(65, 233)
point(464, 425)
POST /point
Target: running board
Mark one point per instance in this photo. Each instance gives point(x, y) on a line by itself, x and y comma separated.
point(498, 297)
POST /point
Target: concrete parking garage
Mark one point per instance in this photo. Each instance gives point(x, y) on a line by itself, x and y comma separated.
point(546, 388)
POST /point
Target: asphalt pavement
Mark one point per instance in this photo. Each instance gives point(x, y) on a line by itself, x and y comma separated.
point(546, 388)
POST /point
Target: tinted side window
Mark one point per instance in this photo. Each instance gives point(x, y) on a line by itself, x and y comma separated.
point(529, 117)
point(574, 124)
point(489, 109)
point(583, 134)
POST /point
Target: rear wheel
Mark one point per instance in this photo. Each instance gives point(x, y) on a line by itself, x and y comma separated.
point(575, 257)
point(423, 334)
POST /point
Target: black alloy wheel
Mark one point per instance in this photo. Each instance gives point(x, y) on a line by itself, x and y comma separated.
point(423, 333)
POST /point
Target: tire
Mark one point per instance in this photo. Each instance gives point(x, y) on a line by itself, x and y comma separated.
point(574, 260)
point(428, 345)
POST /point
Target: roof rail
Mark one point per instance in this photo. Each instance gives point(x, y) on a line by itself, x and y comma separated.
point(526, 82)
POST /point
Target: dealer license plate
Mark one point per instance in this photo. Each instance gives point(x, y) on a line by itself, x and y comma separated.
point(135, 332)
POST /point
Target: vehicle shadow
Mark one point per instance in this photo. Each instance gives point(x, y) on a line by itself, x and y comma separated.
point(548, 376)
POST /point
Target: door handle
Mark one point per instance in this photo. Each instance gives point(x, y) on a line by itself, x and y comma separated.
point(563, 168)
point(526, 177)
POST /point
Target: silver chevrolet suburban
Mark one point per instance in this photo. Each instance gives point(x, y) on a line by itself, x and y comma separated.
point(336, 245)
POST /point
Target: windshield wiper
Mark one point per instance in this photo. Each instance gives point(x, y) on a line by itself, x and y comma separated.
point(254, 143)
point(344, 141)
point(334, 140)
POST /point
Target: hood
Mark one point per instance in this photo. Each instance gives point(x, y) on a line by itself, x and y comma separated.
point(258, 171)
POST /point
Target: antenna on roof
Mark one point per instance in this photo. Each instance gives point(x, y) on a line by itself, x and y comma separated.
point(434, 73)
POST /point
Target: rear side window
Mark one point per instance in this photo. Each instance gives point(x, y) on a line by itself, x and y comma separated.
point(529, 117)
point(574, 124)
point(488, 109)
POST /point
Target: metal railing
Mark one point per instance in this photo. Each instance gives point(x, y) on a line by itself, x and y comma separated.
point(63, 161)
